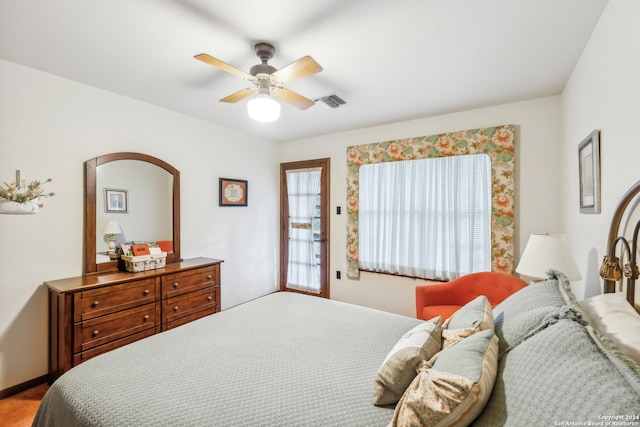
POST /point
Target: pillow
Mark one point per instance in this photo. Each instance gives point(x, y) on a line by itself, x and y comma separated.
point(612, 315)
point(524, 311)
point(456, 389)
point(560, 373)
point(474, 316)
point(452, 336)
point(567, 293)
point(401, 364)
point(538, 294)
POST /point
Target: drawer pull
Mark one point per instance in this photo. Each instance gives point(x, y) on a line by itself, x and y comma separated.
point(210, 298)
point(95, 304)
point(175, 308)
point(146, 292)
point(95, 332)
point(146, 317)
point(209, 277)
point(175, 285)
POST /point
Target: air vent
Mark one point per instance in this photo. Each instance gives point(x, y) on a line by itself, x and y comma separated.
point(331, 101)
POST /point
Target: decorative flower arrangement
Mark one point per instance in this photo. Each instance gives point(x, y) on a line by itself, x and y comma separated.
point(21, 192)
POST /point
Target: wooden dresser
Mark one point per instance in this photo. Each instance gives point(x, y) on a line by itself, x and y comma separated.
point(90, 315)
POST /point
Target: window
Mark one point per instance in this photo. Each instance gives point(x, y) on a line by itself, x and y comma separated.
point(497, 142)
point(428, 218)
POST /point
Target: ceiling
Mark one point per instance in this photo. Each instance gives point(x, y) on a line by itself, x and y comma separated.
point(390, 60)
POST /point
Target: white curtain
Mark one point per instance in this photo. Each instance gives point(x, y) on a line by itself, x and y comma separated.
point(303, 189)
point(426, 218)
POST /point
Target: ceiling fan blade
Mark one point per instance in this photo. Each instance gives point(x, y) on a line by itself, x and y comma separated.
point(240, 95)
point(303, 67)
point(293, 98)
point(208, 59)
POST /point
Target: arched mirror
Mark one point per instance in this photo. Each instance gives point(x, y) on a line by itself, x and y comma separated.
point(129, 197)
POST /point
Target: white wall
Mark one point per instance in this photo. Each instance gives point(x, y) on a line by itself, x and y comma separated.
point(538, 195)
point(48, 128)
point(602, 93)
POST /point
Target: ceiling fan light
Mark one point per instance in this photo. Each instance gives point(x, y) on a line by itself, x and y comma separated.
point(263, 108)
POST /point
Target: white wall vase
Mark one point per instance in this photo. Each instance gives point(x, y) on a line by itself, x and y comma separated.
point(15, 208)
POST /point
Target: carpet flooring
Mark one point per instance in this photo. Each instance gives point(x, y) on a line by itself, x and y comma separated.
point(19, 409)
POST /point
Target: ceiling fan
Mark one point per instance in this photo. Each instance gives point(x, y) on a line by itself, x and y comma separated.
point(267, 79)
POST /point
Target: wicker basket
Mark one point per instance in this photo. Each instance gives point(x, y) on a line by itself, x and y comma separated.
point(135, 264)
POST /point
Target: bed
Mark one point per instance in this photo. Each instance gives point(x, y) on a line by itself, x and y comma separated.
point(288, 359)
point(284, 359)
point(293, 360)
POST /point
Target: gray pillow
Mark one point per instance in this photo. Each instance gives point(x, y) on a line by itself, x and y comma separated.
point(465, 358)
point(475, 314)
point(560, 373)
point(524, 311)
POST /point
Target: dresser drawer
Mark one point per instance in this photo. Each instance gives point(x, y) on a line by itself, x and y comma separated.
point(187, 304)
point(179, 321)
point(111, 299)
point(189, 281)
point(86, 355)
point(102, 330)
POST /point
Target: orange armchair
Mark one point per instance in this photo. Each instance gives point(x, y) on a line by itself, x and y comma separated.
point(444, 299)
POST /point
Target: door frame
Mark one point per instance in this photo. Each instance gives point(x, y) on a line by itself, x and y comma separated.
point(325, 181)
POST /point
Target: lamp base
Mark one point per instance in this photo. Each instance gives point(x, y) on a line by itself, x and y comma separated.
point(111, 238)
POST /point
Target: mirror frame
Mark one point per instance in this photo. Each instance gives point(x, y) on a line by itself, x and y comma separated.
point(90, 195)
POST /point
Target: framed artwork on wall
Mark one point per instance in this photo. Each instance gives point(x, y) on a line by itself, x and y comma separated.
point(233, 192)
point(115, 201)
point(589, 173)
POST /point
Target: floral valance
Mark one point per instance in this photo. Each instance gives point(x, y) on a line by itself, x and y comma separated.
point(498, 142)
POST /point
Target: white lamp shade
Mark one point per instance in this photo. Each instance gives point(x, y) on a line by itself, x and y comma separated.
point(263, 108)
point(546, 252)
point(112, 227)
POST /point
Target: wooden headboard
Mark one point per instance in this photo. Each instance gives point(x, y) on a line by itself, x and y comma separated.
point(620, 261)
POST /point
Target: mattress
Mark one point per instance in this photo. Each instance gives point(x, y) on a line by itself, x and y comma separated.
point(285, 359)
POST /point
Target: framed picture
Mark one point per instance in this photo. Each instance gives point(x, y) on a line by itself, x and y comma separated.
point(589, 166)
point(233, 192)
point(115, 200)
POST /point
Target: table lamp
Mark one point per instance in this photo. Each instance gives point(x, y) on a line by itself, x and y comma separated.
point(546, 252)
point(112, 228)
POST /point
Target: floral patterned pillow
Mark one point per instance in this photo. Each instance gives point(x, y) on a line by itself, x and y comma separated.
point(474, 316)
point(456, 389)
